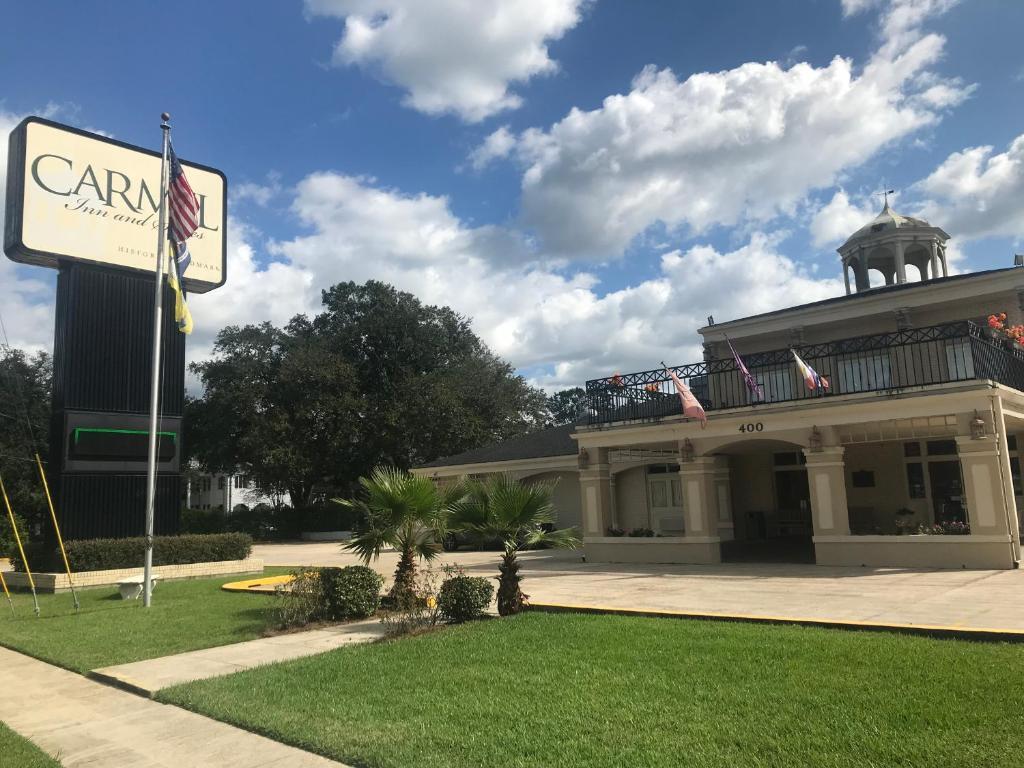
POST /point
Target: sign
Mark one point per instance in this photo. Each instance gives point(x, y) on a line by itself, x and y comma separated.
point(77, 196)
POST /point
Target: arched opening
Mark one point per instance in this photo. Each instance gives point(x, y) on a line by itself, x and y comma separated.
point(913, 273)
point(771, 503)
point(876, 278)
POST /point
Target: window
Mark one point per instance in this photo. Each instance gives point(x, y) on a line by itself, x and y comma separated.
point(207, 483)
point(241, 481)
point(915, 480)
point(911, 449)
point(777, 384)
point(1015, 474)
point(220, 483)
point(960, 360)
point(789, 459)
point(865, 372)
point(941, 447)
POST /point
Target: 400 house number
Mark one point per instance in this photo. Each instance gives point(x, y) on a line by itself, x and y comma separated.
point(752, 426)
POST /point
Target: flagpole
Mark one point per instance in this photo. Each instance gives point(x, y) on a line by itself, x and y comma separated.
point(154, 392)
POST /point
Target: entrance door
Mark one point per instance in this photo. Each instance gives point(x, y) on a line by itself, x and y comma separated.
point(666, 503)
point(793, 500)
point(947, 488)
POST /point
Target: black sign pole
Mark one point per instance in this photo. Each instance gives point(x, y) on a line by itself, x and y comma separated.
point(154, 396)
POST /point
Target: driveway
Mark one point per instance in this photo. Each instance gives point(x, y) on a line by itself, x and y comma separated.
point(990, 600)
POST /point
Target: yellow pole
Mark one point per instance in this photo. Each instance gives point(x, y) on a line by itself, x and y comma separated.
point(21, 549)
point(60, 539)
point(7, 592)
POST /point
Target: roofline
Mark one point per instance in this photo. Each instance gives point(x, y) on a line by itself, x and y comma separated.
point(565, 459)
point(881, 292)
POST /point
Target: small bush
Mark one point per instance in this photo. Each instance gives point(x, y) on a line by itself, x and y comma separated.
point(109, 554)
point(414, 612)
point(352, 592)
point(203, 521)
point(303, 601)
point(330, 594)
point(464, 598)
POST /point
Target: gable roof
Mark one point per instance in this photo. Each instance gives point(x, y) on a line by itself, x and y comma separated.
point(554, 441)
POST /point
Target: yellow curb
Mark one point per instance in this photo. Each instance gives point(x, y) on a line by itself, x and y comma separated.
point(258, 585)
point(954, 630)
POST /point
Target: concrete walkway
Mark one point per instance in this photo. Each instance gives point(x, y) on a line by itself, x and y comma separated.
point(149, 676)
point(84, 723)
point(955, 599)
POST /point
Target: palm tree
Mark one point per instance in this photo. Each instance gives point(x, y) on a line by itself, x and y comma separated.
point(505, 509)
point(404, 512)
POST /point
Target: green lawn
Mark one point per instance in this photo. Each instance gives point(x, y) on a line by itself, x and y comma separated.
point(22, 753)
point(185, 615)
point(570, 690)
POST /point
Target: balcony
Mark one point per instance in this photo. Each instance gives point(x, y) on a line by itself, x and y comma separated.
point(886, 362)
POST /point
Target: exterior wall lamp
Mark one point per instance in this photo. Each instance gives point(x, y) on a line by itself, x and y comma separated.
point(814, 441)
point(686, 451)
point(977, 427)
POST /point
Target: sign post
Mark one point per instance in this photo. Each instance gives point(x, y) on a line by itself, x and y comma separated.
point(154, 393)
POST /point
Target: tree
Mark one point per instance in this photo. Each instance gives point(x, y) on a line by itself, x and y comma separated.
point(280, 404)
point(25, 383)
point(567, 406)
point(404, 512)
point(376, 378)
point(517, 514)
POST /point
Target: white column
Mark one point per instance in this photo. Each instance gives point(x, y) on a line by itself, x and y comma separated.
point(826, 479)
point(901, 267)
point(935, 259)
point(846, 277)
point(595, 494)
point(988, 509)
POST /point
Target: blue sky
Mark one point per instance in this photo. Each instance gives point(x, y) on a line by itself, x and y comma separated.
point(587, 180)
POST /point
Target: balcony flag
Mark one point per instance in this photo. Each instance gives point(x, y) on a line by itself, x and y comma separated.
point(691, 405)
point(815, 382)
point(756, 391)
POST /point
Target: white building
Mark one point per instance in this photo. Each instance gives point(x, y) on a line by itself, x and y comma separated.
point(915, 439)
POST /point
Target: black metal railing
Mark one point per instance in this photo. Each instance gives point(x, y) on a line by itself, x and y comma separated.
point(885, 362)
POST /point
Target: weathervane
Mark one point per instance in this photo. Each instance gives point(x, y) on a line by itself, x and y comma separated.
point(885, 194)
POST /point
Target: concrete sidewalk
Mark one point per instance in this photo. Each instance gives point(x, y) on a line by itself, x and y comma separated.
point(989, 601)
point(149, 676)
point(84, 723)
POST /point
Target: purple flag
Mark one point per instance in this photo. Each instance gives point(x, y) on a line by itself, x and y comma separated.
point(756, 391)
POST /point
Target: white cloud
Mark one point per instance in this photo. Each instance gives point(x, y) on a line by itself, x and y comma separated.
point(451, 55)
point(739, 146)
point(497, 145)
point(839, 218)
point(529, 313)
point(26, 293)
point(975, 193)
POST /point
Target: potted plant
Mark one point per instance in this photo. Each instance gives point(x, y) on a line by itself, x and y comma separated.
point(905, 523)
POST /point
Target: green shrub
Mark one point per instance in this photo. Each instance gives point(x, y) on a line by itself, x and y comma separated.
point(8, 544)
point(109, 554)
point(352, 592)
point(203, 521)
point(330, 594)
point(464, 598)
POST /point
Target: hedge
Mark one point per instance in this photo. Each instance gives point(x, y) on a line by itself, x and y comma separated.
point(110, 554)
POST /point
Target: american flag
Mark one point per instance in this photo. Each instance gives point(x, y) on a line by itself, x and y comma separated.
point(184, 211)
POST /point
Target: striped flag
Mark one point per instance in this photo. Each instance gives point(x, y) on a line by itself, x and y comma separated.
point(182, 203)
point(811, 378)
point(183, 210)
point(691, 405)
